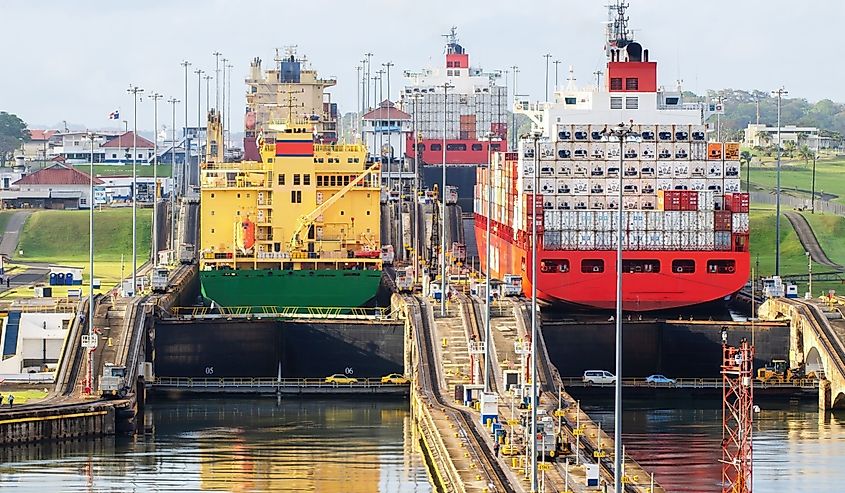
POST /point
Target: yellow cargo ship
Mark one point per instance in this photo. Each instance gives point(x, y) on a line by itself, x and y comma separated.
point(300, 228)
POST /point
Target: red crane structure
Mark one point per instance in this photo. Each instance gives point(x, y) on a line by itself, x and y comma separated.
point(737, 415)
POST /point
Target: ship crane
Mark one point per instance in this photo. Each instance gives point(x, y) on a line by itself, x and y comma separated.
point(304, 222)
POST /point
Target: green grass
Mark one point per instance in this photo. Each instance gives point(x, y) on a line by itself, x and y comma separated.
point(830, 231)
point(796, 177)
point(164, 170)
point(62, 236)
point(792, 257)
point(4, 219)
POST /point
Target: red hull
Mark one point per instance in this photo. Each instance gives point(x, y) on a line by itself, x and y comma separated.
point(641, 291)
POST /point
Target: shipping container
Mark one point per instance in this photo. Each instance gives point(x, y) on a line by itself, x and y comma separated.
point(564, 132)
point(714, 170)
point(632, 150)
point(722, 221)
point(732, 185)
point(731, 169)
point(697, 184)
point(722, 240)
point(681, 169)
point(681, 150)
point(585, 240)
point(714, 151)
point(698, 150)
point(654, 220)
point(739, 222)
point(563, 150)
point(698, 133)
point(586, 221)
point(581, 133)
point(681, 132)
point(598, 150)
point(648, 151)
point(551, 240)
point(736, 202)
point(706, 200)
point(580, 150)
point(698, 169)
point(731, 151)
point(648, 133)
point(665, 133)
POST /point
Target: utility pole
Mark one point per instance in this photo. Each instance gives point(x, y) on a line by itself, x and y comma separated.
point(368, 73)
point(173, 244)
point(535, 135)
point(183, 168)
point(780, 93)
point(598, 74)
point(217, 79)
point(547, 56)
point(513, 113)
point(155, 97)
point(199, 119)
point(134, 90)
point(357, 124)
point(487, 297)
point(91, 202)
point(446, 87)
point(229, 109)
point(813, 185)
point(221, 110)
point(557, 64)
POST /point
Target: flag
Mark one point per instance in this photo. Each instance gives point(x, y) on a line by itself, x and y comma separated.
point(114, 115)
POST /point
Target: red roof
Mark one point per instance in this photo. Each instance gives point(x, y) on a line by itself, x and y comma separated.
point(386, 111)
point(124, 141)
point(58, 174)
point(41, 134)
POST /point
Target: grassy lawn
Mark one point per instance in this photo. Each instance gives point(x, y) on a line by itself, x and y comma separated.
point(23, 396)
point(830, 231)
point(164, 170)
point(792, 257)
point(61, 237)
point(796, 176)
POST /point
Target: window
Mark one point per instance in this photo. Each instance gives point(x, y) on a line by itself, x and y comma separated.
point(554, 266)
point(296, 179)
point(616, 84)
point(114, 156)
point(721, 266)
point(434, 147)
point(683, 266)
point(616, 103)
point(455, 147)
point(83, 201)
point(421, 147)
point(477, 147)
point(333, 180)
point(632, 84)
point(570, 100)
point(495, 147)
point(672, 101)
point(320, 180)
point(592, 266)
point(640, 266)
point(281, 179)
point(295, 197)
point(306, 179)
point(632, 103)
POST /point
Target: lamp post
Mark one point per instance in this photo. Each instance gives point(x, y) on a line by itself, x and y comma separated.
point(415, 147)
point(487, 297)
point(620, 132)
point(368, 71)
point(813, 185)
point(199, 119)
point(217, 78)
point(779, 93)
point(221, 110)
point(155, 97)
point(227, 134)
point(535, 135)
point(809, 273)
point(387, 66)
point(557, 64)
point(91, 136)
point(513, 113)
point(547, 56)
point(446, 87)
point(181, 172)
point(134, 90)
point(173, 102)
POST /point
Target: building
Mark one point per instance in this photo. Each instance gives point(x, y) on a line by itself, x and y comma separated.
point(118, 149)
point(39, 145)
point(118, 189)
point(32, 340)
point(385, 132)
point(75, 147)
point(58, 186)
point(760, 135)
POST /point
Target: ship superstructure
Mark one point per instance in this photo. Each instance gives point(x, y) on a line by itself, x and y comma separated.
point(685, 222)
point(291, 90)
point(299, 228)
point(473, 105)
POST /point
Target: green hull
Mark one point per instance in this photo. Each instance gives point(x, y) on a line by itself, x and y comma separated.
point(290, 288)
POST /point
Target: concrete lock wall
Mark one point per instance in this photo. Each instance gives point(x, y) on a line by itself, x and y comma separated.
point(227, 349)
point(32, 426)
point(676, 350)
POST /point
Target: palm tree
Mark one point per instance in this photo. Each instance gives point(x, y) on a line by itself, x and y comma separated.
point(789, 148)
point(805, 153)
point(745, 160)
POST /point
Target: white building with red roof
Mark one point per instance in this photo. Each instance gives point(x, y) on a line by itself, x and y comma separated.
point(384, 132)
point(39, 145)
point(58, 186)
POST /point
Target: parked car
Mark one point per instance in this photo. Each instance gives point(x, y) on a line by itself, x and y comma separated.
point(659, 379)
point(340, 378)
point(394, 378)
point(600, 377)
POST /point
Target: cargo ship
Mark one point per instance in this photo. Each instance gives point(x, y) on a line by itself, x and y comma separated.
point(685, 222)
point(290, 88)
point(473, 105)
point(298, 228)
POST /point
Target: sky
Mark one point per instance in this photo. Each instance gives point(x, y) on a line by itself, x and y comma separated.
point(74, 60)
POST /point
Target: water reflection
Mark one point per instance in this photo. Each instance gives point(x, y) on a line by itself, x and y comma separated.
point(236, 446)
point(795, 447)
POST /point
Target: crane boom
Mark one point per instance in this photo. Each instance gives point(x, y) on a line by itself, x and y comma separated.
point(308, 219)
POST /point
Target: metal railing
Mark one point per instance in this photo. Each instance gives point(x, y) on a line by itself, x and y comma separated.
point(825, 206)
point(272, 383)
point(690, 383)
point(354, 313)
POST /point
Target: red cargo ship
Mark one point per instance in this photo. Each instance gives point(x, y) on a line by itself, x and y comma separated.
point(685, 222)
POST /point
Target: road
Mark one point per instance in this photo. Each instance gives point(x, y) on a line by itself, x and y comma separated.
point(11, 235)
point(809, 241)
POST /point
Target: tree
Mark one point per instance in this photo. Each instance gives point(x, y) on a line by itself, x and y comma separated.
point(13, 133)
point(789, 148)
point(805, 153)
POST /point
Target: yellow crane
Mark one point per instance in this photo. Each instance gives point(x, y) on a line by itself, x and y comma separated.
point(304, 222)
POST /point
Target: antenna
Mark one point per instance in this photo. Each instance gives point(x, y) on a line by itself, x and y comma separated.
point(452, 40)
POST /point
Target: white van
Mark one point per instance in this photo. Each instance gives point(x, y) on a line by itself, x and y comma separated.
point(600, 377)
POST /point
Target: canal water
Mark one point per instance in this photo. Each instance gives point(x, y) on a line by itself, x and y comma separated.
point(795, 447)
point(244, 445)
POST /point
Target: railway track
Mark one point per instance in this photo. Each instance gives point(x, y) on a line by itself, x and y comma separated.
point(430, 385)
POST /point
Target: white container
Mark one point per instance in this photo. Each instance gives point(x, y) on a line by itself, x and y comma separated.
point(551, 222)
point(597, 186)
point(704, 220)
point(566, 239)
point(714, 170)
point(586, 221)
point(665, 133)
point(637, 221)
point(580, 150)
point(561, 201)
point(604, 240)
point(654, 240)
point(739, 223)
point(596, 132)
point(547, 168)
point(598, 150)
point(568, 220)
point(722, 240)
point(705, 240)
point(731, 170)
point(604, 221)
point(698, 133)
point(654, 220)
point(632, 150)
point(564, 132)
point(612, 151)
point(580, 169)
point(580, 186)
point(664, 169)
point(697, 184)
point(732, 185)
point(563, 151)
point(612, 187)
point(527, 168)
point(686, 240)
point(698, 169)
point(598, 169)
point(664, 184)
point(681, 169)
point(706, 200)
point(647, 169)
point(547, 186)
point(671, 240)
point(581, 133)
point(665, 151)
point(698, 150)
point(551, 240)
point(562, 186)
point(648, 151)
point(586, 240)
point(682, 133)
point(564, 169)
point(715, 186)
point(547, 151)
